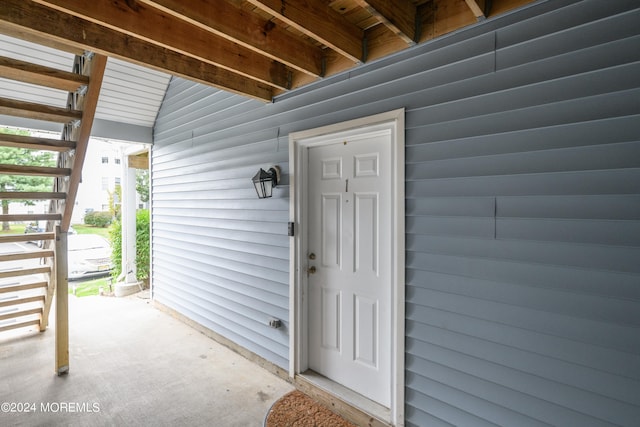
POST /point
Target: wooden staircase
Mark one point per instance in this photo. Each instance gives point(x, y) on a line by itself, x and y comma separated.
point(30, 276)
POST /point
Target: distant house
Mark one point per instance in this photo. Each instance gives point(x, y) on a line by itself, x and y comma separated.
point(102, 173)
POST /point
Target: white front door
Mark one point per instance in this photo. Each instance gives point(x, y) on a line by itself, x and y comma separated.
point(349, 198)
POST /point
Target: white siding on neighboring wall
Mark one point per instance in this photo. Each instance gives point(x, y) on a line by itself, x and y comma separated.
point(523, 214)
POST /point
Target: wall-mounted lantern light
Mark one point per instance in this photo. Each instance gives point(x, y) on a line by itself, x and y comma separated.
point(265, 181)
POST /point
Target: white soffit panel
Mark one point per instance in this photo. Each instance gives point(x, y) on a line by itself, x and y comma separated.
point(130, 94)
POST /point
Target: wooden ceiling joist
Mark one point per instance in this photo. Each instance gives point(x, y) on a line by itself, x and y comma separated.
point(178, 35)
point(476, 9)
point(40, 24)
point(257, 48)
point(247, 29)
point(399, 16)
point(318, 21)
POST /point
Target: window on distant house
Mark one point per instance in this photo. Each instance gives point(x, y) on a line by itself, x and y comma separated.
point(105, 160)
point(105, 183)
point(116, 160)
point(117, 180)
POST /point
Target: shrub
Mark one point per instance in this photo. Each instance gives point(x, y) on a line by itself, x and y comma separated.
point(143, 246)
point(98, 219)
point(115, 235)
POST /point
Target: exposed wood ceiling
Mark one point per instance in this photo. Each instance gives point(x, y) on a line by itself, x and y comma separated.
point(259, 48)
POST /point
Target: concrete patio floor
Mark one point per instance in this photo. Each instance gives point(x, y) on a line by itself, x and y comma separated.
point(131, 365)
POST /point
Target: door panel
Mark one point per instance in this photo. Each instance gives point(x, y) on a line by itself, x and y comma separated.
point(331, 230)
point(366, 233)
point(350, 291)
point(330, 319)
point(366, 333)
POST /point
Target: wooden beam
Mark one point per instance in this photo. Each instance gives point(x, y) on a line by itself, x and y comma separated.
point(247, 29)
point(35, 143)
point(475, 9)
point(139, 161)
point(9, 169)
point(31, 110)
point(40, 24)
point(27, 72)
point(318, 21)
point(157, 27)
point(62, 303)
point(90, 102)
point(400, 16)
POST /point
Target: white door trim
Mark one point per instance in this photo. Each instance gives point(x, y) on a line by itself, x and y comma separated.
point(299, 142)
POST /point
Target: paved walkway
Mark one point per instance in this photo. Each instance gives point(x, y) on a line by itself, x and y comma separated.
point(131, 365)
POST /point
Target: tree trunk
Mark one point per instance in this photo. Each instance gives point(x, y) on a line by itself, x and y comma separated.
point(5, 211)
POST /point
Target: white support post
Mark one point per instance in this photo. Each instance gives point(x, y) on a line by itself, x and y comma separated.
point(129, 284)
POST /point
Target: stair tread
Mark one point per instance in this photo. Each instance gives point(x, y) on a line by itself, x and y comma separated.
point(15, 272)
point(19, 325)
point(21, 313)
point(40, 75)
point(30, 217)
point(40, 253)
point(28, 237)
point(8, 169)
point(32, 195)
point(36, 143)
point(32, 110)
point(23, 300)
point(22, 287)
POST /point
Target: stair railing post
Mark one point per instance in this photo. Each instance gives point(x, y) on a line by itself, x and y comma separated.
point(62, 303)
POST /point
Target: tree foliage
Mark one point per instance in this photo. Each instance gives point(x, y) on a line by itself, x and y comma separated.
point(115, 201)
point(23, 157)
point(142, 184)
point(143, 246)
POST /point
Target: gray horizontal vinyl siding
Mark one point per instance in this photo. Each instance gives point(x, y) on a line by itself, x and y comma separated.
point(220, 254)
point(522, 213)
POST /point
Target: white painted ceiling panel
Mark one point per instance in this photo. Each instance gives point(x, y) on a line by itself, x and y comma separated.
point(130, 94)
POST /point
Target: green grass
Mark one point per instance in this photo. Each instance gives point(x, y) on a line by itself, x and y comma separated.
point(15, 229)
point(89, 229)
point(88, 288)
